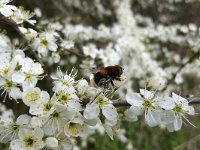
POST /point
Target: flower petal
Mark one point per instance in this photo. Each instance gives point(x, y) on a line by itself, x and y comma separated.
point(134, 99)
point(152, 118)
point(110, 112)
point(147, 94)
point(177, 123)
point(91, 111)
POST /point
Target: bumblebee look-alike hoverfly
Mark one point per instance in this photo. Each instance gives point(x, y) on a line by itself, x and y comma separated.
point(106, 75)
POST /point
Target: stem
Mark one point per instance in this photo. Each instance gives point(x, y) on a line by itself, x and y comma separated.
point(120, 103)
point(194, 56)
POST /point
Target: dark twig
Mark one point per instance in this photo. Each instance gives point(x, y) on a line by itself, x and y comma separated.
point(194, 56)
point(15, 26)
point(194, 101)
point(75, 53)
point(120, 103)
point(60, 7)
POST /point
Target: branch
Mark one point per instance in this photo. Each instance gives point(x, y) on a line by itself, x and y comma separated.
point(60, 7)
point(72, 51)
point(194, 56)
point(194, 101)
point(119, 103)
point(15, 26)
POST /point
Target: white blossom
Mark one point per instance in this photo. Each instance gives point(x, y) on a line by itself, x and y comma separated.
point(20, 16)
point(6, 10)
point(144, 102)
point(29, 139)
point(44, 43)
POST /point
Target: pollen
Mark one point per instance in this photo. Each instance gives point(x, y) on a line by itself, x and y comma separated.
point(63, 98)
point(44, 42)
point(8, 84)
point(4, 71)
point(48, 106)
point(55, 115)
point(102, 101)
point(29, 141)
point(147, 103)
point(15, 126)
point(32, 96)
point(178, 108)
point(28, 76)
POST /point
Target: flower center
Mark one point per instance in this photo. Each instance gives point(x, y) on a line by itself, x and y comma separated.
point(48, 106)
point(28, 76)
point(32, 96)
point(4, 71)
point(63, 98)
point(66, 83)
point(14, 126)
point(72, 129)
point(178, 108)
point(8, 84)
point(55, 115)
point(44, 42)
point(29, 141)
point(102, 101)
point(148, 103)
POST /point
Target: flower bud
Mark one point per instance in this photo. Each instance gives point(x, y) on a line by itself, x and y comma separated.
point(51, 142)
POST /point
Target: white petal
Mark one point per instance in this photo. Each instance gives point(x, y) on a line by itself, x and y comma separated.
point(23, 119)
point(178, 98)
point(36, 122)
point(24, 132)
point(147, 94)
point(38, 133)
point(91, 111)
point(151, 118)
point(177, 123)
point(17, 145)
point(166, 103)
point(190, 110)
point(109, 131)
point(45, 97)
point(167, 117)
point(74, 105)
point(38, 145)
point(136, 111)
point(110, 112)
point(50, 129)
point(15, 93)
point(134, 99)
point(2, 81)
point(170, 127)
point(53, 47)
point(6, 11)
point(130, 115)
point(92, 122)
point(29, 84)
point(51, 143)
point(31, 21)
point(110, 122)
point(18, 77)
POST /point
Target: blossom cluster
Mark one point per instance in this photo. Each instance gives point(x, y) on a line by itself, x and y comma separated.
point(168, 111)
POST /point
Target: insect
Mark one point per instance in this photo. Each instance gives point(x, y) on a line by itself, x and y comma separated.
point(106, 75)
